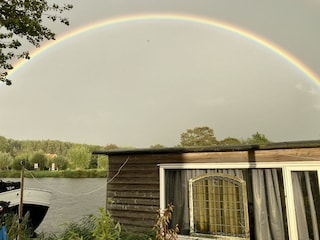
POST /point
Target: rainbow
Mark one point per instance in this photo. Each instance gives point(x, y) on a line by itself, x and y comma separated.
point(295, 62)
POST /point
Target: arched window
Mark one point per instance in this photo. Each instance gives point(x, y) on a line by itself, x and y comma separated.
point(218, 206)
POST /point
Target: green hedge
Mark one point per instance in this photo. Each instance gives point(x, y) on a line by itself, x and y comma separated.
point(57, 174)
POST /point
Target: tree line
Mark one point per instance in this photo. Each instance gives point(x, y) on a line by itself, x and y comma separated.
point(204, 136)
point(66, 155)
point(44, 153)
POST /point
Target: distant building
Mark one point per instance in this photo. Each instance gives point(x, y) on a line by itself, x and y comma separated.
point(36, 166)
point(51, 156)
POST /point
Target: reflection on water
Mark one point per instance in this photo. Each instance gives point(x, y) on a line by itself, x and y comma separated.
point(72, 198)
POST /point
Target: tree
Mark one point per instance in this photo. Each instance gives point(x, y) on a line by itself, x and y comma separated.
point(103, 161)
point(4, 144)
point(16, 165)
point(110, 146)
point(157, 146)
point(79, 157)
point(257, 138)
point(5, 160)
point(40, 159)
point(14, 146)
point(25, 20)
point(230, 141)
point(93, 163)
point(60, 163)
point(199, 136)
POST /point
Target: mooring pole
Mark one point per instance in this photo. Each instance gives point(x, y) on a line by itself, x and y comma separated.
point(21, 201)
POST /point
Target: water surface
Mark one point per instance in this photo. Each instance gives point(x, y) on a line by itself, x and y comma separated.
point(72, 198)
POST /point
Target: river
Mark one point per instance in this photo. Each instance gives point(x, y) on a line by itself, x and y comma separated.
point(72, 199)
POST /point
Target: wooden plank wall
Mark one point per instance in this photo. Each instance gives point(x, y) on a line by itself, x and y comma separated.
point(133, 189)
point(133, 180)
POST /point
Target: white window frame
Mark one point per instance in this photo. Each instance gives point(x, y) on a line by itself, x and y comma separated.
point(287, 168)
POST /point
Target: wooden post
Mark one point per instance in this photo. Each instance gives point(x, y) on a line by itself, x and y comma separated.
point(21, 201)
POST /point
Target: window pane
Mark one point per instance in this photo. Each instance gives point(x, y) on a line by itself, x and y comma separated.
point(219, 205)
point(268, 218)
point(307, 203)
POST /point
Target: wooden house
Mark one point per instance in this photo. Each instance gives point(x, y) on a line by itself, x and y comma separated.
point(266, 191)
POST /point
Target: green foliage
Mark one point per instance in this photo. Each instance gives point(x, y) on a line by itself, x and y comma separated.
point(21, 20)
point(230, 141)
point(16, 164)
point(40, 159)
point(11, 222)
point(257, 138)
point(6, 160)
point(110, 146)
point(92, 173)
point(204, 136)
point(81, 230)
point(24, 149)
point(79, 157)
point(59, 162)
point(105, 227)
point(90, 227)
point(157, 146)
point(15, 147)
point(93, 163)
point(47, 146)
point(4, 145)
point(162, 229)
point(103, 162)
point(199, 136)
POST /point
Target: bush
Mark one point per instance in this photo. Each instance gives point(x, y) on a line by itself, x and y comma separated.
point(105, 228)
point(162, 228)
point(12, 225)
point(91, 227)
point(56, 174)
point(82, 230)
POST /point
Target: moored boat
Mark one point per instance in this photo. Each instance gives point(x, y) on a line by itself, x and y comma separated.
point(36, 202)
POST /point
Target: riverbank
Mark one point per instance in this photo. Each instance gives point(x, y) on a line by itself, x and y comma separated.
point(92, 173)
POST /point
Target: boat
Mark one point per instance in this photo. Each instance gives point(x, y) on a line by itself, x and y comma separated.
point(36, 202)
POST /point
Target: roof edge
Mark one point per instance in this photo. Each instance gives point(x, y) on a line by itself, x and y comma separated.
point(219, 148)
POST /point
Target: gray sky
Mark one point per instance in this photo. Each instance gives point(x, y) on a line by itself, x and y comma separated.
point(139, 84)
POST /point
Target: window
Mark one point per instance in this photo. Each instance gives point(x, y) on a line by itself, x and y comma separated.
point(218, 205)
point(306, 203)
point(280, 200)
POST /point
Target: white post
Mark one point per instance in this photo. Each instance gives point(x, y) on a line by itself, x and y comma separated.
point(21, 201)
point(162, 188)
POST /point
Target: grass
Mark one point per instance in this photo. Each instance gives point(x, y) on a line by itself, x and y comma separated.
point(91, 173)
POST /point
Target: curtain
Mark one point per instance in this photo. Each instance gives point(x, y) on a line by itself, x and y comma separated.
point(265, 193)
point(304, 201)
point(267, 204)
point(177, 193)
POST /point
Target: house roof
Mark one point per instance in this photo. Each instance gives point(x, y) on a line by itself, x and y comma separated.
point(219, 148)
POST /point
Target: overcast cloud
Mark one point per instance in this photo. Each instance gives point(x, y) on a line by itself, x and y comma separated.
point(145, 83)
